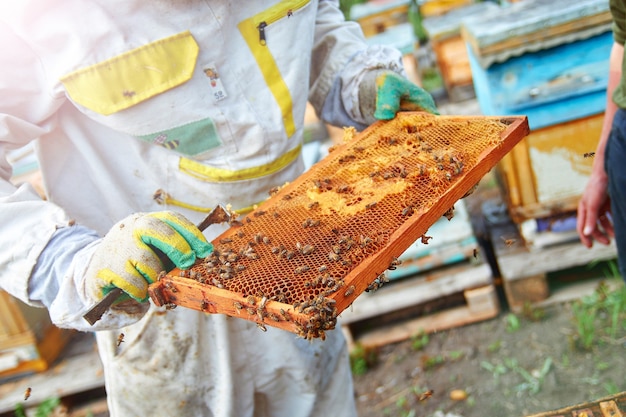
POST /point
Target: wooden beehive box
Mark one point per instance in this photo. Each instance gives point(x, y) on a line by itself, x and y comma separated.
point(546, 59)
point(303, 256)
point(546, 173)
point(29, 342)
point(444, 33)
point(376, 17)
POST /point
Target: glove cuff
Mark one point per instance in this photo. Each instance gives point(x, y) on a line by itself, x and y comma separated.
point(368, 92)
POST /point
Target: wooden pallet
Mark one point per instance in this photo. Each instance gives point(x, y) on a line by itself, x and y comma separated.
point(435, 300)
point(611, 406)
point(525, 270)
point(78, 370)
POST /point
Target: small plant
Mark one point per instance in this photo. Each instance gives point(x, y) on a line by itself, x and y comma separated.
point(429, 362)
point(362, 359)
point(495, 346)
point(599, 316)
point(533, 380)
point(611, 387)
point(455, 355)
point(533, 313)
point(513, 323)
point(496, 370)
point(420, 340)
point(47, 408)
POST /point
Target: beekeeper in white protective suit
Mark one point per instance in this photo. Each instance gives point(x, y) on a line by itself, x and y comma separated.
point(203, 101)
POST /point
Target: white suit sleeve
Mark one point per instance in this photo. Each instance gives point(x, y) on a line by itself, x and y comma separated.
point(341, 58)
point(26, 221)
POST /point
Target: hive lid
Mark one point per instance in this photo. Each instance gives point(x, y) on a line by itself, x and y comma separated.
point(533, 25)
point(303, 256)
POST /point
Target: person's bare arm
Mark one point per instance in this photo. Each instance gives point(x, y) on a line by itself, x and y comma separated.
point(592, 222)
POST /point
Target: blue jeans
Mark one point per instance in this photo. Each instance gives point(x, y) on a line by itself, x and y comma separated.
point(615, 166)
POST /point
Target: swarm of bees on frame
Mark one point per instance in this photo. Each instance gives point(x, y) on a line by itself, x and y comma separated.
point(299, 249)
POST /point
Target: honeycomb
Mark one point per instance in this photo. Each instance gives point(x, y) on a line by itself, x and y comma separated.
point(303, 256)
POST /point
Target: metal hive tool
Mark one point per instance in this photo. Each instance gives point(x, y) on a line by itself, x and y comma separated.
point(302, 257)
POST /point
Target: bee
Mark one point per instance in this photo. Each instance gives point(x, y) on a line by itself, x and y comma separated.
point(240, 234)
point(258, 238)
point(301, 269)
point(259, 213)
point(273, 190)
point(170, 306)
point(238, 305)
point(407, 211)
point(349, 291)
point(394, 264)
point(266, 240)
point(251, 255)
point(322, 268)
point(475, 253)
point(251, 300)
point(507, 242)
point(589, 154)
point(204, 305)
point(120, 339)
point(251, 311)
point(284, 314)
point(307, 249)
point(343, 189)
point(226, 240)
point(261, 326)
point(333, 256)
point(27, 393)
point(365, 241)
point(274, 317)
point(287, 197)
point(425, 395)
point(289, 13)
point(370, 205)
point(425, 239)
point(314, 204)
point(290, 254)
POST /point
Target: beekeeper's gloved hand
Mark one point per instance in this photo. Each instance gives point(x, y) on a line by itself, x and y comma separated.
point(384, 93)
point(127, 256)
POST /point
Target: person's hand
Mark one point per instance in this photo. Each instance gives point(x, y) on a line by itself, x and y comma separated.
point(385, 93)
point(395, 93)
point(594, 213)
point(128, 257)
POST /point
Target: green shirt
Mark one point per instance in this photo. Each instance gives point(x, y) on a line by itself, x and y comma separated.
point(618, 11)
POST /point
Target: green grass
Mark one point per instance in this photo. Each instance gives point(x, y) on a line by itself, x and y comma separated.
point(600, 317)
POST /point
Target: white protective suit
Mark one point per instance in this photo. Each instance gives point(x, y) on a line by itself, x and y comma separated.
point(203, 100)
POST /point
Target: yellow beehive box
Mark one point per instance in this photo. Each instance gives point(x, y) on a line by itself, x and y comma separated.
point(546, 173)
point(29, 342)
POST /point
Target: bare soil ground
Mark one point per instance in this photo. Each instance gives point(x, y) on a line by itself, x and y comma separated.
point(503, 370)
point(509, 366)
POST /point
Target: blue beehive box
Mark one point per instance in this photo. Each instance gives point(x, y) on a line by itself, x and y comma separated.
point(547, 59)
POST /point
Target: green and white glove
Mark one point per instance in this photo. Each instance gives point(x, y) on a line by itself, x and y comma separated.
point(382, 94)
point(127, 257)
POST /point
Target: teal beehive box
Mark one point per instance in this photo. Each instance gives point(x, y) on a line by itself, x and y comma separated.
point(547, 59)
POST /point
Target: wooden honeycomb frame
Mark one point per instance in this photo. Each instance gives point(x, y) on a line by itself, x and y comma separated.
point(302, 257)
